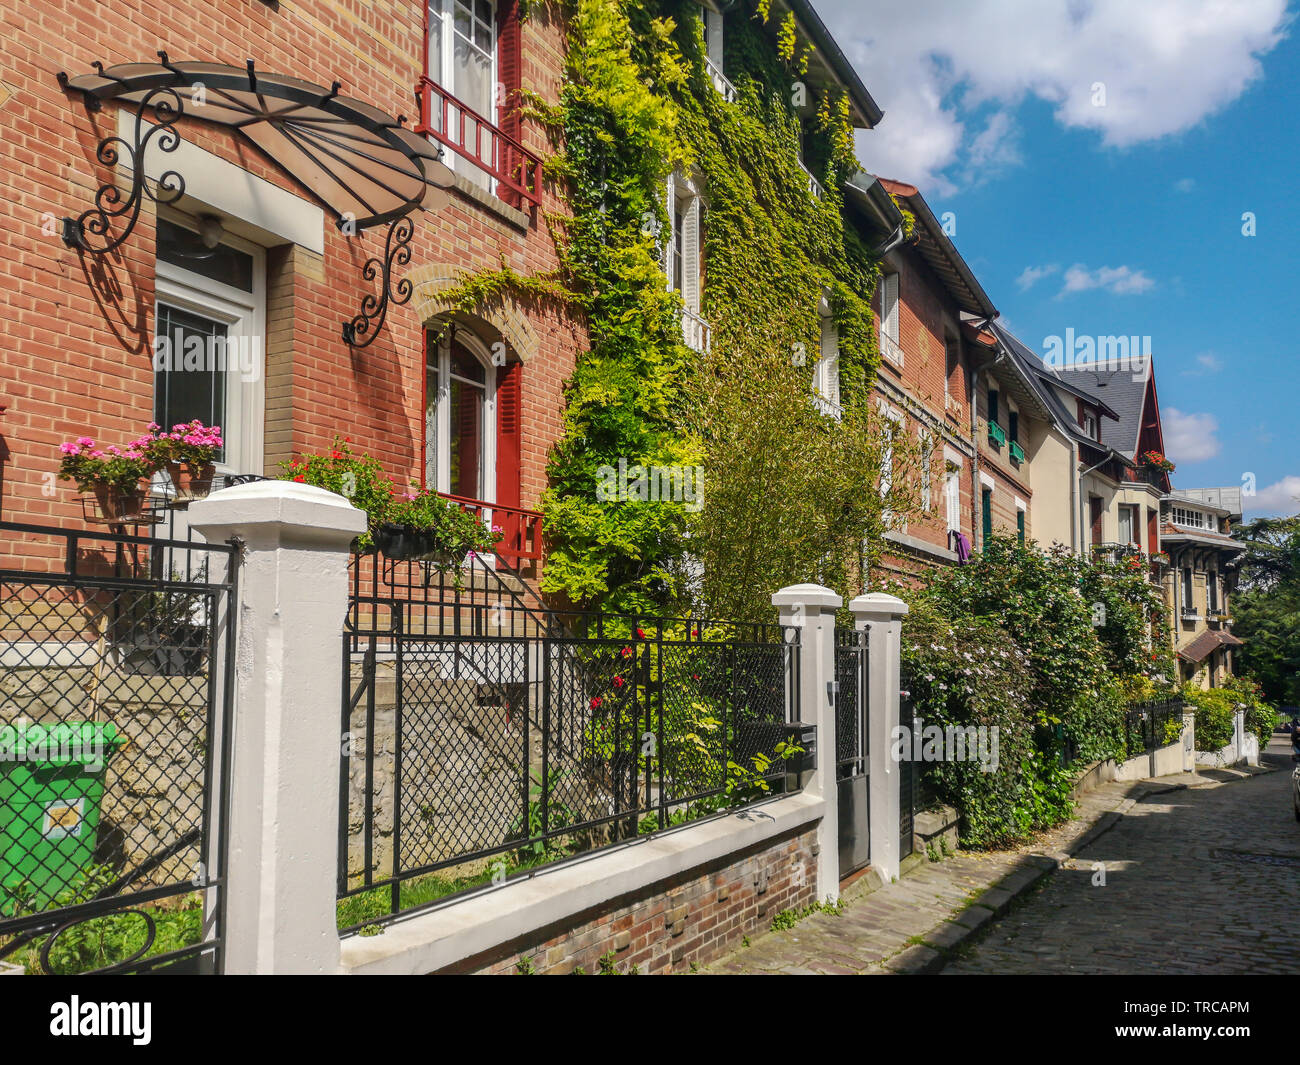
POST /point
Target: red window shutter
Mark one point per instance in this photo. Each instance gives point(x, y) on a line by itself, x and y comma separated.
point(510, 72)
point(509, 435)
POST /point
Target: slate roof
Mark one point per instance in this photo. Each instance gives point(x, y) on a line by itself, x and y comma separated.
point(1125, 392)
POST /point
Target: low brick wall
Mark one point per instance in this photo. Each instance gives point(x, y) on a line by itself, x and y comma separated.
point(696, 916)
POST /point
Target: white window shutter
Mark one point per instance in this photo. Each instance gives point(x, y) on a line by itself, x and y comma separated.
point(666, 234)
point(889, 317)
point(691, 256)
point(926, 470)
point(826, 378)
point(714, 20)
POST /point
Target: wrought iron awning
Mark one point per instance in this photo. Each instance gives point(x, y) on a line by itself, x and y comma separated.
point(362, 164)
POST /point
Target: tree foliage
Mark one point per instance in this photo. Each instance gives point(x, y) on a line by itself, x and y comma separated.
point(1267, 608)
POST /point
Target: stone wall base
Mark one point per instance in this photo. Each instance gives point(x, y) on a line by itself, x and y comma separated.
point(696, 916)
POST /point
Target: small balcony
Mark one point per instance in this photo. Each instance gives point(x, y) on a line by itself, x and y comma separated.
point(997, 435)
point(826, 407)
point(696, 333)
point(725, 89)
point(1114, 552)
point(891, 349)
point(814, 186)
point(1017, 453)
point(516, 171)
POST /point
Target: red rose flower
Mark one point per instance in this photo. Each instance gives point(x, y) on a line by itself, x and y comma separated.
point(595, 701)
point(618, 682)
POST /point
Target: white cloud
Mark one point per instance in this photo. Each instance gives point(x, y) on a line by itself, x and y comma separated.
point(1118, 280)
point(1282, 497)
point(1189, 437)
point(1031, 275)
point(1206, 363)
point(940, 70)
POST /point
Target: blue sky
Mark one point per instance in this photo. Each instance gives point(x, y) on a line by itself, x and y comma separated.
point(1119, 213)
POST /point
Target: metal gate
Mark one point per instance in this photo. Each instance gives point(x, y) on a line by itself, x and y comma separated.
point(851, 748)
point(908, 773)
point(116, 682)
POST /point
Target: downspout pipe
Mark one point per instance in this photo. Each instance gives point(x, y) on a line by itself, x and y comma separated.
point(889, 245)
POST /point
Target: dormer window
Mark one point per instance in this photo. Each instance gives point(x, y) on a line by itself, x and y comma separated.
point(1089, 424)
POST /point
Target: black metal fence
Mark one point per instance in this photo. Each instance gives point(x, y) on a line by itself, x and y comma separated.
point(114, 695)
point(484, 737)
point(1151, 724)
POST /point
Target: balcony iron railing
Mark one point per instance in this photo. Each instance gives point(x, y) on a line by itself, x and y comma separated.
point(480, 142)
point(826, 406)
point(720, 81)
point(1017, 452)
point(696, 333)
point(521, 530)
point(997, 435)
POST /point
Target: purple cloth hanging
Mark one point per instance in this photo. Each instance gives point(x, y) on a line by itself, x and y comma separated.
point(957, 542)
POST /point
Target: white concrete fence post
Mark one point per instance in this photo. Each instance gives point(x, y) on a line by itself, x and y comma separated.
point(881, 616)
point(1188, 739)
point(284, 773)
point(811, 609)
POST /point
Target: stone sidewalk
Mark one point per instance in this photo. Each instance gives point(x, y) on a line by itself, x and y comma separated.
point(913, 924)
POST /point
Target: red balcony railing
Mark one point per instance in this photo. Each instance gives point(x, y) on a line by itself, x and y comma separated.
point(521, 530)
point(475, 139)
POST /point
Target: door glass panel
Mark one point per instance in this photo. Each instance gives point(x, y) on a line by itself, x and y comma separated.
point(190, 381)
point(466, 439)
point(180, 247)
point(464, 364)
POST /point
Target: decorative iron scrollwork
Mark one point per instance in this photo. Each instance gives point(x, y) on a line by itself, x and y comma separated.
point(109, 201)
point(364, 327)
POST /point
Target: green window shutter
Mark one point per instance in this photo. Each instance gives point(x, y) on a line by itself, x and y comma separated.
point(1020, 525)
point(988, 514)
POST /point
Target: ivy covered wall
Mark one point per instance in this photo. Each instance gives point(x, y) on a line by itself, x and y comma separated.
point(790, 494)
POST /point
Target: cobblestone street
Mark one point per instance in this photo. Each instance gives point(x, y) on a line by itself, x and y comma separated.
point(1202, 876)
point(1202, 880)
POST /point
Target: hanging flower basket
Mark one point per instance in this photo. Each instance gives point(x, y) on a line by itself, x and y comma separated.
point(114, 505)
point(191, 480)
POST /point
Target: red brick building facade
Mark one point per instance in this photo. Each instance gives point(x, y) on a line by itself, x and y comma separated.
point(927, 302)
point(482, 410)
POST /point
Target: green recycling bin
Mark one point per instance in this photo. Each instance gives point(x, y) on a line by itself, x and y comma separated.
point(51, 785)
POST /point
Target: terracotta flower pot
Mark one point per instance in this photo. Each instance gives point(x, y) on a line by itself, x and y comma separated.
point(191, 480)
point(120, 504)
